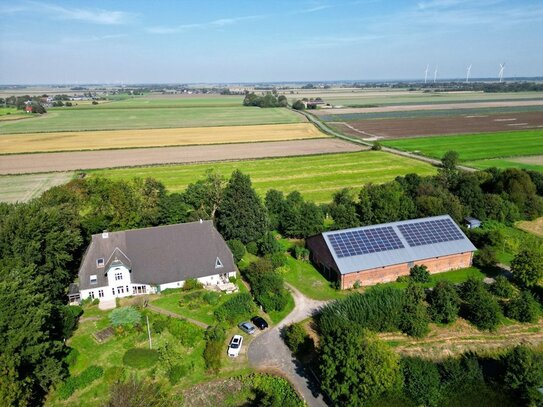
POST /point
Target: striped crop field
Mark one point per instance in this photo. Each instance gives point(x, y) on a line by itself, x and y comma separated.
point(474, 147)
point(316, 177)
point(103, 140)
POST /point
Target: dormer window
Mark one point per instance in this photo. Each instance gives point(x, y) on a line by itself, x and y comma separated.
point(218, 263)
point(100, 263)
point(93, 279)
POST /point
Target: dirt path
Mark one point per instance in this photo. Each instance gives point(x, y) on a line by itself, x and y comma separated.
point(174, 315)
point(71, 161)
point(269, 352)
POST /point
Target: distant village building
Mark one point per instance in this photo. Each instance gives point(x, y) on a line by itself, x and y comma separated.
point(381, 253)
point(144, 261)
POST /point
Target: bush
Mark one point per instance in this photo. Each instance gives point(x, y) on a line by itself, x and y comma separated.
point(295, 336)
point(211, 297)
point(71, 357)
point(527, 268)
point(238, 307)
point(70, 315)
point(272, 391)
point(376, 146)
point(523, 374)
point(160, 324)
point(298, 105)
point(237, 248)
point(268, 244)
point(278, 260)
point(192, 284)
point(267, 285)
point(421, 381)
point(140, 358)
point(136, 392)
point(502, 287)
point(523, 308)
point(301, 253)
point(414, 320)
point(419, 274)
point(485, 258)
point(187, 333)
point(252, 248)
point(402, 279)
point(444, 303)
point(177, 372)
point(215, 337)
point(81, 381)
point(126, 317)
point(480, 307)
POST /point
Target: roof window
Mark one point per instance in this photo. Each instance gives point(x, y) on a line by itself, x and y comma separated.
point(93, 279)
point(218, 263)
point(100, 262)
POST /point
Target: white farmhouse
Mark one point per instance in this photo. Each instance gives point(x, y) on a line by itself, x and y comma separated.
point(145, 261)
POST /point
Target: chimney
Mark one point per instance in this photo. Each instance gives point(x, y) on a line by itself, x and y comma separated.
point(105, 234)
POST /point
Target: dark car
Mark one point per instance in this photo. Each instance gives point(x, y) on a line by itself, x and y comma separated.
point(259, 322)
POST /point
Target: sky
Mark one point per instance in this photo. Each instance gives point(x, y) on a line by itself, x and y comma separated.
point(160, 41)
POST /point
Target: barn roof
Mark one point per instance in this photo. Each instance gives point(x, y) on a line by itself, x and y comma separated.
point(157, 255)
point(375, 246)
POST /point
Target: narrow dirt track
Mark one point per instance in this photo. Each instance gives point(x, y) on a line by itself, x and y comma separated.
point(71, 161)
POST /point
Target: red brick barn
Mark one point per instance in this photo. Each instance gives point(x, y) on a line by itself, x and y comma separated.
point(381, 253)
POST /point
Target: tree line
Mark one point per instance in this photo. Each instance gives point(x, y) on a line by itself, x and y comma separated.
point(268, 99)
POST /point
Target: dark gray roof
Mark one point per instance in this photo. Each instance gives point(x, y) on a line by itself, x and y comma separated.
point(158, 255)
point(405, 253)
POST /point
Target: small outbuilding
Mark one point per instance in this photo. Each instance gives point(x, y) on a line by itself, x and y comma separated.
point(381, 253)
point(472, 223)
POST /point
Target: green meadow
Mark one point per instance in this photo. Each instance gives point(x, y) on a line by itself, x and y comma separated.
point(75, 119)
point(148, 102)
point(474, 147)
point(316, 177)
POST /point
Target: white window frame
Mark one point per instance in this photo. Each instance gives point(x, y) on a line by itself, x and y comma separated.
point(100, 263)
point(100, 293)
point(218, 263)
point(93, 279)
point(118, 276)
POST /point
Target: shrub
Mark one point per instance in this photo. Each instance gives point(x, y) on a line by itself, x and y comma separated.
point(523, 308)
point(136, 392)
point(402, 279)
point(215, 337)
point(268, 244)
point(140, 358)
point(237, 248)
point(298, 105)
point(502, 287)
point(192, 284)
point(252, 248)
point(71, 357)
point(295, 336)
point(419, 274)
point(267, 285)
point(278, 260)
point(70, 315)
point(523, 373)
point(421, 381)
point(211, 297)
point(414, 321)
point(177, 372)
point(272, 391)
point(81, 381)
point(160, 324)
point(125, 317)
point(113, 374)
point(480, 307)
point(527, 268)
point(485, 258)
point(444, 302)
point(239, 306)
point(301, 253)
point(376, 146)
point(187, 333)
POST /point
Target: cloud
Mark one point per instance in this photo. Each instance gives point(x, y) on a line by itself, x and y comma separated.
point(311, 9)
point(93, 16)
point(222, 22)
point(93, 38)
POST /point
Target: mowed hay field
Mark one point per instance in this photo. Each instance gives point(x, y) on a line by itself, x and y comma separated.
point(475, 147)
point(95, 140)
point(22, 188)
point(84, 119)
point(316, 177)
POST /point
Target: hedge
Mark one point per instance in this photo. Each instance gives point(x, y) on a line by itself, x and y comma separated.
point(81, 381)
point(140, 358)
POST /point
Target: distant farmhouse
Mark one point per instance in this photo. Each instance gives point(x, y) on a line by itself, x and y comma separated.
point(144, 261)
point(381, 253)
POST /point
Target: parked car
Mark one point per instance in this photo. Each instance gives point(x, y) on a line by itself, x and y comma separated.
point(259, 322)
point(235, 346)
point(247, 327)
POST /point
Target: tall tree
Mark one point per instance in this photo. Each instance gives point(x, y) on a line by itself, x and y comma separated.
point(242, 215)
point(343, 210)
point(527, 267)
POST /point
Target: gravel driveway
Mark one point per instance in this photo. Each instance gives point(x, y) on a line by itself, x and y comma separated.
point(268, 351)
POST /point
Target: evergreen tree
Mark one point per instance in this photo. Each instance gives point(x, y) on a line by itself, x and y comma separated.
point(527, 268)
point(241, 215)
point(444, 302)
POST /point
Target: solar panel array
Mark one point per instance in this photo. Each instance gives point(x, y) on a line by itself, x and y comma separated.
point(356, 242)
point(431, 231)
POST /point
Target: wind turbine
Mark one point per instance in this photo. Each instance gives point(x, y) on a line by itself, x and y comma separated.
point(435, 74)
point(468, 73)
point(502, 66)
point(426, 73)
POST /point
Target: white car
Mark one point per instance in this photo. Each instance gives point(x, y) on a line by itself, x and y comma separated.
point(235, 346)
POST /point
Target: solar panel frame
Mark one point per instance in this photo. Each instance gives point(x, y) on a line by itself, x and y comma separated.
point(430, 232)
point(365, 241)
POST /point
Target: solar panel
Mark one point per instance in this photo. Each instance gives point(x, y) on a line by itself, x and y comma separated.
point(357, 242)
point(431, 231)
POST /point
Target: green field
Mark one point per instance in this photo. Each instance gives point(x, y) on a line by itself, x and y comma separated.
point(473, 147)
point(22, 188)
point(316, 177)
point(167, 101)
point(117, 119)
point(503, 163)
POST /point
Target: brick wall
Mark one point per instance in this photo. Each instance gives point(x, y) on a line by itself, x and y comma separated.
point(391, 273)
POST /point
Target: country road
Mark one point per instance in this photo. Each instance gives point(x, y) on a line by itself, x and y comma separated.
point(268, 351)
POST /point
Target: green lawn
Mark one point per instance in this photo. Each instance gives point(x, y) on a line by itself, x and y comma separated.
point(81, 119)
point(503, 164)
point(24, 187)
point(472, 147)
point(155, 101)
point(454, 276)
point(316, 177)
point(277, 316)
point(303, 276)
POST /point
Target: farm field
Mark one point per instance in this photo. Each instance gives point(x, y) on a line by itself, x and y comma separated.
point(473, 147)
point(71, 161)
point(103, 140)
point(85, 119)
point(528, 163)
point(25, 187)
point(169, 101)
point(535, 226)
point(356, 97)
point(429, 126)
point(316, 177)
